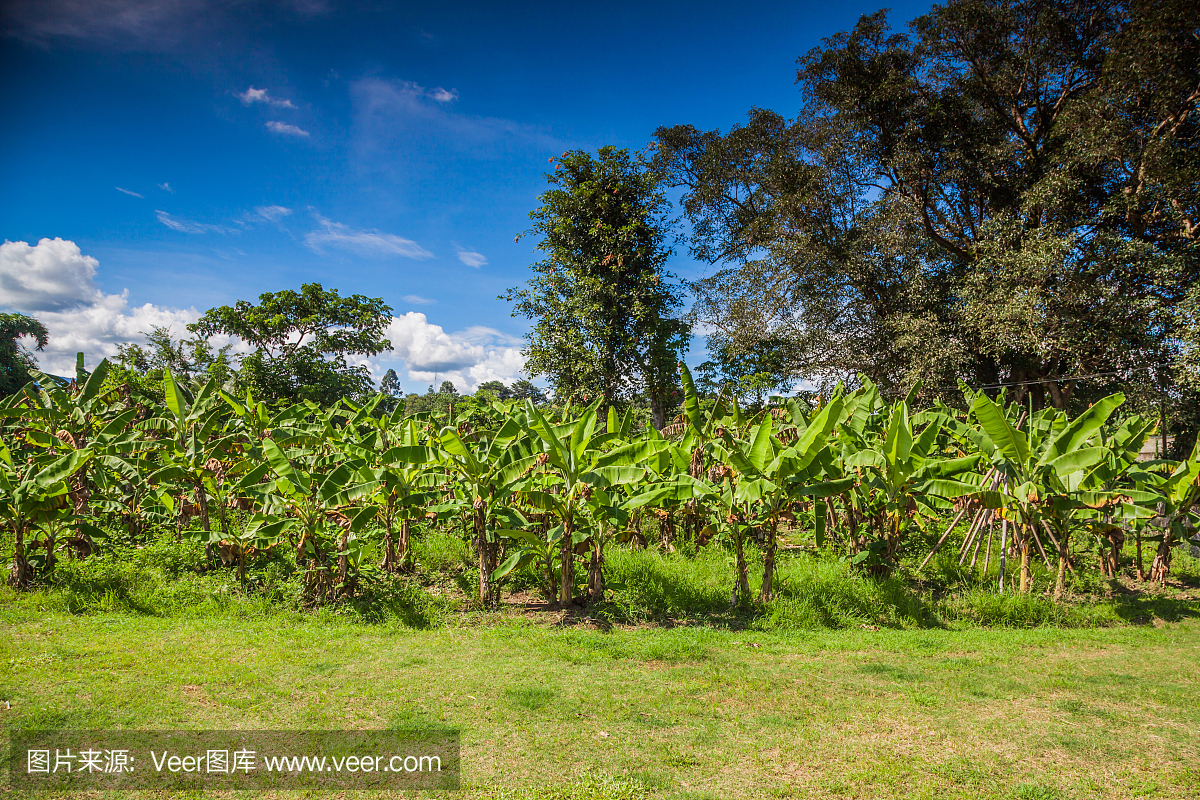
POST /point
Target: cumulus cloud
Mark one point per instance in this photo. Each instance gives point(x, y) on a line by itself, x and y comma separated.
point(467, 358)
point(166, 187)
point(50, 276)
point(286, 129)
point(252, 95)
point(188, 226)
point(417, 300)
point(442, 95)
point(126, 191)
point(372, 243)
point(272, 213)
point(471, 258)
point(55, 282)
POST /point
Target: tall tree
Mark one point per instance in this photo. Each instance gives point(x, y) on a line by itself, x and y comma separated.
point(302, 341)
point(1009, 193)
point(15, 358)
point(604, 306)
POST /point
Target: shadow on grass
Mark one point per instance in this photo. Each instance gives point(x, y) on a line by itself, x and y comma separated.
point(1144, 609)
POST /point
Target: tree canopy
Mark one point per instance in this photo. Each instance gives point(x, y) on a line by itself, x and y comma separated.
point(604, 306)
point(15, 358)
point(1008, 192)
point(302, 341)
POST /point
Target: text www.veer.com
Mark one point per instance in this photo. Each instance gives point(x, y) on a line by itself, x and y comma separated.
point(352, 764)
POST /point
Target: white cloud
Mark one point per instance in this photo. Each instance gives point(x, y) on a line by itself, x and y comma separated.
point(50, 276)
point(126, 191)
point(54, 282)
point(373, 243)
point(417, 300)
point(285, 129)
point(467, 358)
point(443, 96)
point(471, 258)
point(166, 187)
point(187, 226)
point(272, 213)
point(252, 95)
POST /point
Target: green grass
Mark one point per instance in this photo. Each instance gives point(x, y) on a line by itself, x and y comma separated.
point(170, 579)
point(846, 686)
point(683, 712)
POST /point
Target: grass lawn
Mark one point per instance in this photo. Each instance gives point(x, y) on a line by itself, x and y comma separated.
point(684, 712)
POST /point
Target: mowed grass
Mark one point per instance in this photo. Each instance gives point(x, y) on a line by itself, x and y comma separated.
point(685, 712)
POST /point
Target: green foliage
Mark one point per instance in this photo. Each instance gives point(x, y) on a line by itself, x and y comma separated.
point(602, 302)
point(934, 213)
point(302, 340)
point(15, 359)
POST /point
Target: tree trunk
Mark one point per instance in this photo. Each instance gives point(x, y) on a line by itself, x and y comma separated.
point(389, 548)
point(659, 411)
point(202, 499)
point(596, 571)
point(344, 584)
point(405, 546)
point(566, 585)
point(485, 553)
point(1064, 555)
point(635, 532)
point(767, 593)
point(1161, 568)
point(18, 577)
point(1116, 538)
point(743, 577)
point(666, 531)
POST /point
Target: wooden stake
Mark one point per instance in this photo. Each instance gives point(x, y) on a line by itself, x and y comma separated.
point(979, 543)
point(1038, 542)
point(987, 558)
point(942, 540)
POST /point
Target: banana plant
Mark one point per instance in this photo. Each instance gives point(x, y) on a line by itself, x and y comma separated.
point(1039, 463)
point(1178, 493)
point(901, 480)
point(195, 444)
point(33, 498)
point(67, 415)
point(1110, 504)
point(304, 504)
point(404, 486)
point(486, 469)
point(574, 453)
point(767, 477)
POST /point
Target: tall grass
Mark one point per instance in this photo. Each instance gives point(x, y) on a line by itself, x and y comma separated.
point(168, 578)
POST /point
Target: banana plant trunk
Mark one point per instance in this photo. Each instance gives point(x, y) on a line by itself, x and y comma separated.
point(389, 548)
point(1161, 568)
point(743, 575)
point(485, 553)
point(18, 577)
point(767, 594)
point(1064, 557)
point(596, 571)
point(404, 546)
point(566, 573)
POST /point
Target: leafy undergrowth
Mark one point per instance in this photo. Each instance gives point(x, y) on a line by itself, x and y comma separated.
point(174, 579)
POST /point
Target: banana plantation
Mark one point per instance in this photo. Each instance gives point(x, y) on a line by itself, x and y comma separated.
point(548, 491)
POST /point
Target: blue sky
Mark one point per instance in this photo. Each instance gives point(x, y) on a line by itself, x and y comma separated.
point(189, 153)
